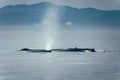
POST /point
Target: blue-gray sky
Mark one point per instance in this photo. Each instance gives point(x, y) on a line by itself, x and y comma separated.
point(99, 4)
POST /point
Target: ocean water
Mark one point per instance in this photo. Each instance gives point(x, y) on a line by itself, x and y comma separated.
point(16, 65)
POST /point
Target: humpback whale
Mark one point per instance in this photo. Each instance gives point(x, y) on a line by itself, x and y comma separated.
point(61, 50)
point(35, 50)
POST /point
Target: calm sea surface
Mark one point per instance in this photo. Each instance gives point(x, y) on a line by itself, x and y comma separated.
point(15, 65)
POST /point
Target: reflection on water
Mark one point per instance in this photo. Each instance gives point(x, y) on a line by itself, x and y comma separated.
point(59, 66)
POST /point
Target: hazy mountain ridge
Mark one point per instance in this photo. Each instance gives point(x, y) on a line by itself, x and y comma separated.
point(34, 14)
